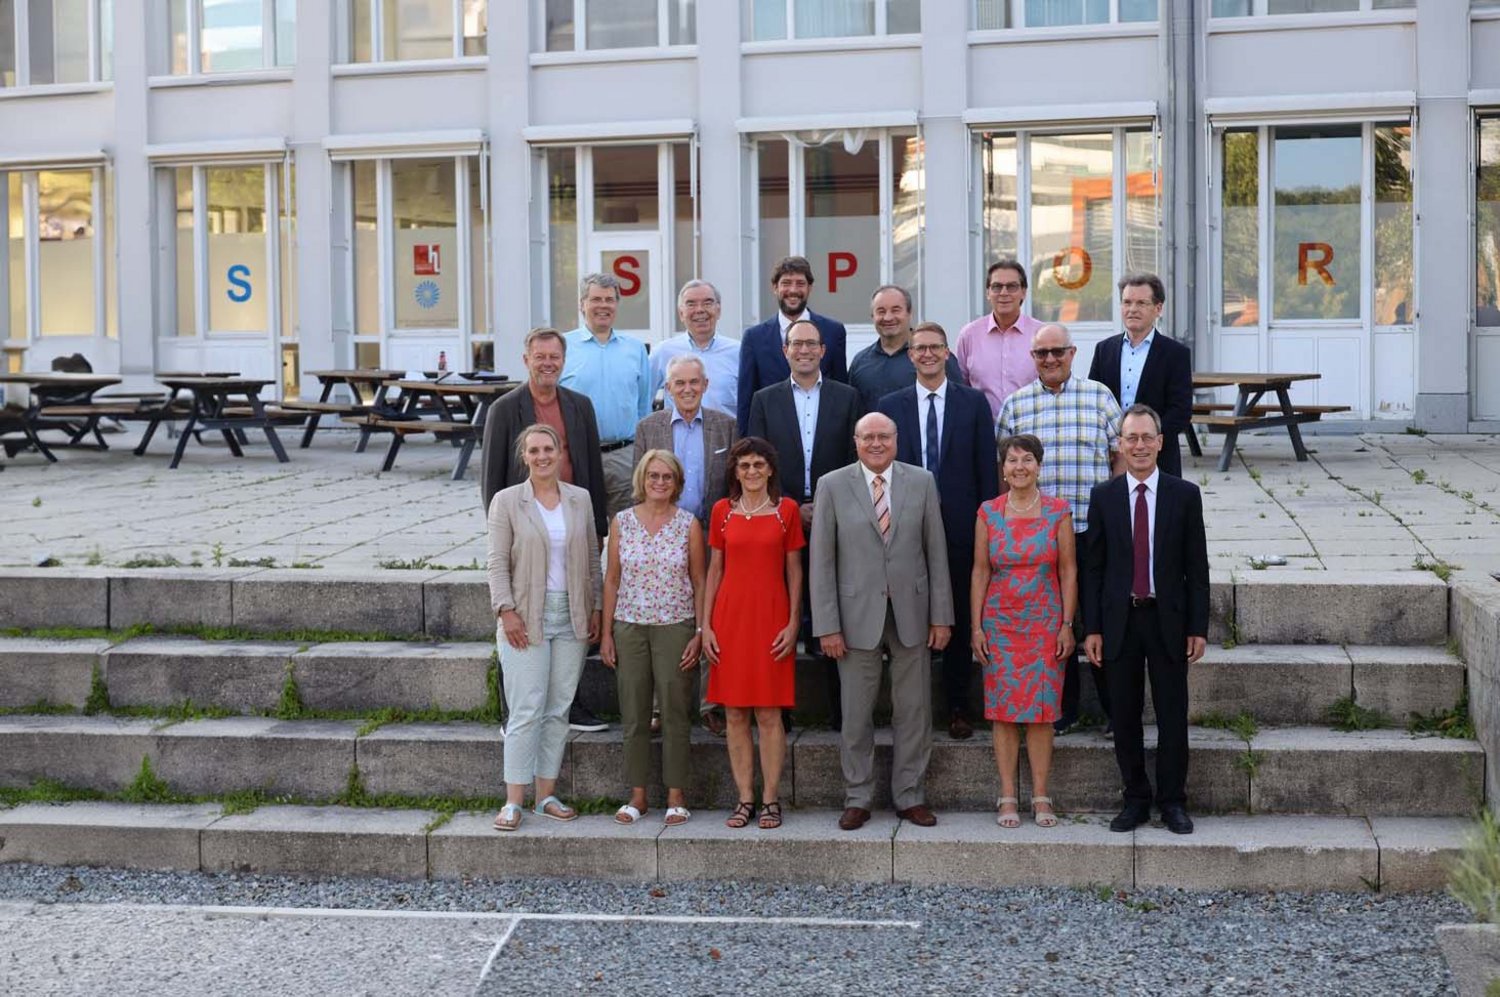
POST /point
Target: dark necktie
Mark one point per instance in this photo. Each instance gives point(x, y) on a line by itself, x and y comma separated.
point(1140, 582)
point(932, 433)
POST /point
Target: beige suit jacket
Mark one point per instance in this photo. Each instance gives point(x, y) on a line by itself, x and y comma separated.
point(518, 556)
point(719, 433)
point(855, 574)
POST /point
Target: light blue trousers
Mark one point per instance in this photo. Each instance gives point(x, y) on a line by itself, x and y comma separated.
point(539, 686)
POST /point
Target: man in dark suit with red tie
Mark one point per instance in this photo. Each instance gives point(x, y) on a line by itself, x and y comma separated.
point(945, 427)
point(1145, 610)
point(1144, 364)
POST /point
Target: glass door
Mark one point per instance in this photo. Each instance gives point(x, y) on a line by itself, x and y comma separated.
point(635, 260)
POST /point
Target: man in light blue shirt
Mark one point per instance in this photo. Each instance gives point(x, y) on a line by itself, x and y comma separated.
point(698, 308)
point(615, 374)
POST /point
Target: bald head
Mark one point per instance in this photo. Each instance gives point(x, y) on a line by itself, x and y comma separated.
point(875, 441)
point(1052, 350)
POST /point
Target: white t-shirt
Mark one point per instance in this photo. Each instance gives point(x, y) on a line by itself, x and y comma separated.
point(557, 536)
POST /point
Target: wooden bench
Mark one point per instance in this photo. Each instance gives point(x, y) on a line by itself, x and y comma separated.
point(1203, 408)
point(459, 432)
point(1248, 413)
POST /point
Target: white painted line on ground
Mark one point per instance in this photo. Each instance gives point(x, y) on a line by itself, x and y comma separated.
point(511, 916)
point(489, 963)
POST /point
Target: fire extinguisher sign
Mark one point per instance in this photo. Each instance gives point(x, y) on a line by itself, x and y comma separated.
point(426, 259)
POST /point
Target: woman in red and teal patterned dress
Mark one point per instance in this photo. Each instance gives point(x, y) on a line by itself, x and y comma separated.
point(1023, 595)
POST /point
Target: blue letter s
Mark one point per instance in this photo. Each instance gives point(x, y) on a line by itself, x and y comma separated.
point(239, 291)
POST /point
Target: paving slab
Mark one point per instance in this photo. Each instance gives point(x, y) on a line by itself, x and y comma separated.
point(35, 670)
point(1400, 681)
point(1275, 683)
point(1260, 853)
point(172, 597)
point(808, 847)
point(120, 835)
point(388, 602)
point(33, 598)
point(1417, 853)
point(1402, 607)
point(304, 758)
point(102, 753)
point(456, 606)
point(1368, 773)
point(970, 849)
point(371, 675)
point(463, 760)
point(320, 841)
point(163, 671)
point(591, 847)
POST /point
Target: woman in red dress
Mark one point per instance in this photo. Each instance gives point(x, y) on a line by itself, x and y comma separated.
point(754, 594)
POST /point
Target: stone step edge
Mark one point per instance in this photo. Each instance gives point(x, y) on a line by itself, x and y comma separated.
point(1253, 853)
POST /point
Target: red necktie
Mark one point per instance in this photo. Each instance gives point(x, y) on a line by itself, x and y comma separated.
point(1140, 581)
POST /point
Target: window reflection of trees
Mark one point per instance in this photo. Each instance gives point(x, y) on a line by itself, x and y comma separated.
point(1487, 224)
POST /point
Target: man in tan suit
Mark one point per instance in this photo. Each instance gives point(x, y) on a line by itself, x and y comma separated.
point(701, 438)
point(880, 583)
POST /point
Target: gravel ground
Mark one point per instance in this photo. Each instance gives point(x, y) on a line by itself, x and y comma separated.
point(1021, 941)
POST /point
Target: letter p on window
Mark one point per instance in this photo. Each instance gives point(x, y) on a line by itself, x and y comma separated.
point(1319, 264)
point(840, 265)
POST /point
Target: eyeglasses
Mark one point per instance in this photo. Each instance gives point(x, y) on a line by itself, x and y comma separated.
point(1055, 352)
point(804, 344)
point(664, 476)
point(929, 348)
point(752, 465)
point(1135, 438)
point(1008, 288)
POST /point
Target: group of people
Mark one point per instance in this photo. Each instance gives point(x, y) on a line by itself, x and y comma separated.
point(866, 511)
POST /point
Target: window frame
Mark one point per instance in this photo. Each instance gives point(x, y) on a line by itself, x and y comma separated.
point(345, 12)
point(475, 325)
point(580, 32)
point(194, 29)
point(1119, 197)
point(755, 281)
point(100, 209)
point(1260, 8)
point(1017, 16)
point(880, 30)
point(21, 24)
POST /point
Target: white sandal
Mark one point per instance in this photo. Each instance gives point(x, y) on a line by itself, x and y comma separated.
point(509, 817)
point(628, 814)
point(1044, 818)
point(1008, 820)
point(677, 816)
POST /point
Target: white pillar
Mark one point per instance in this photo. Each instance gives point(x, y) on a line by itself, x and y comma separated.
point(322, 326)
point(723, 252)
point(514, 268)
point(132, 208)
point(949, 275)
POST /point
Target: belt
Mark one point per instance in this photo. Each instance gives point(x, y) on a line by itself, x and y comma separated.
point(616, 445)
point(1142, 601)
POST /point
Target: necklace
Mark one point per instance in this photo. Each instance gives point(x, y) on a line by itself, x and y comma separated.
point(747, 513)
point(1016, 507)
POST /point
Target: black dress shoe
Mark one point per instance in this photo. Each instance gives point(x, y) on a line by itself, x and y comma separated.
point(1177, 819)
point(959, 727)
point(1131, 818)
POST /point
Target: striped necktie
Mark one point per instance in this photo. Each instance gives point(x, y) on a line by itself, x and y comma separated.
point(882, 509)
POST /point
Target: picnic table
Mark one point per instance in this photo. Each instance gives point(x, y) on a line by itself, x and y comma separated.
point(460, 406)
point(214, 407)
point(1247, 413)
point(60, 401)
point(361, 382)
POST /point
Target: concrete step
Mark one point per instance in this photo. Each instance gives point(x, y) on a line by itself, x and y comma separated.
point(1230, 852)
point(1277, 684)
point(1283, 770)
point(1263, 607)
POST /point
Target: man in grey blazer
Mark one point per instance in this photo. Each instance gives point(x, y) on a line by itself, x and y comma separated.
point(880, 583)
point(701, 438)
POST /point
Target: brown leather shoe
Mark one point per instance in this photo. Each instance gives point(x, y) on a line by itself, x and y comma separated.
point(713, 722)
point(918, 815)
point(959, 727)
point(853, 818)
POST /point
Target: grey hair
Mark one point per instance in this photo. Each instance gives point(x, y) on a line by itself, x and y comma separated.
point(545, 333)
point(1141, 409)
point(697, 283)
point(905, 294)
point(678, 361)
point(1054, 325)
point(605, 280)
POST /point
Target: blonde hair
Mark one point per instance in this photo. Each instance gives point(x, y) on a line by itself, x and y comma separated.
point(638, 479)
point(532, 430)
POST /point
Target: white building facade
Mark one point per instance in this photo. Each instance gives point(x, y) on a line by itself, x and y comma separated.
point(277, 186)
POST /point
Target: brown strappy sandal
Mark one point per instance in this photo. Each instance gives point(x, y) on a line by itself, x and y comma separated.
point(743, 814)
point(770, 817)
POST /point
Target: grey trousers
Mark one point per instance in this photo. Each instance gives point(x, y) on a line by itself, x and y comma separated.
point(911, 719)
point(619, 467)
point(539, 686)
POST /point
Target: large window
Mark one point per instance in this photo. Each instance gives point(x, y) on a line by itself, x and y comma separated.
point(59, 263)
point(618, 24)
point(852, 204)
point(229, 232)
point(1060, 13)
point(419, 253)
point(1055, 201)
point(778, 19)
point(45, 42)
point(1246, 8)
point(1487, 224)
point(230, 36)
point(406, 30)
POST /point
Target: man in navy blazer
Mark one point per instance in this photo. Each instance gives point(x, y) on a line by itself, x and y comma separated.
point(1145, 610)
point(762, 362)
point(945, 427)
point(1144, 365)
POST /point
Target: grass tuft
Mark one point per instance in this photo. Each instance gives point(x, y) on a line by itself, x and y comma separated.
point(1347, 716)
point(1455, 722)
point(289, 706)
point(1241, 725)
point(98, 700)
point(46, 791)
point(147, 787)
point(1475, 876)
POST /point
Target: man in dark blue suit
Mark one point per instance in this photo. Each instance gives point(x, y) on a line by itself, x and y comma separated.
point(1143, 364)
point(762, 360)
point(945, 427)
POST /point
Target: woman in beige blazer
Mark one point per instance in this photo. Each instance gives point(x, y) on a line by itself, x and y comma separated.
point(545, 589)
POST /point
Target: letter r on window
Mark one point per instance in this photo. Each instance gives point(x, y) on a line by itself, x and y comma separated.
point(1306, 262)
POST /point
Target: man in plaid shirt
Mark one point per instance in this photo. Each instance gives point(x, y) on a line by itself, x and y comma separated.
point(1078, 422)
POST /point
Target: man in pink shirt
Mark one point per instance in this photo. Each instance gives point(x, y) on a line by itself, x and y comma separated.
point(994, 351)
